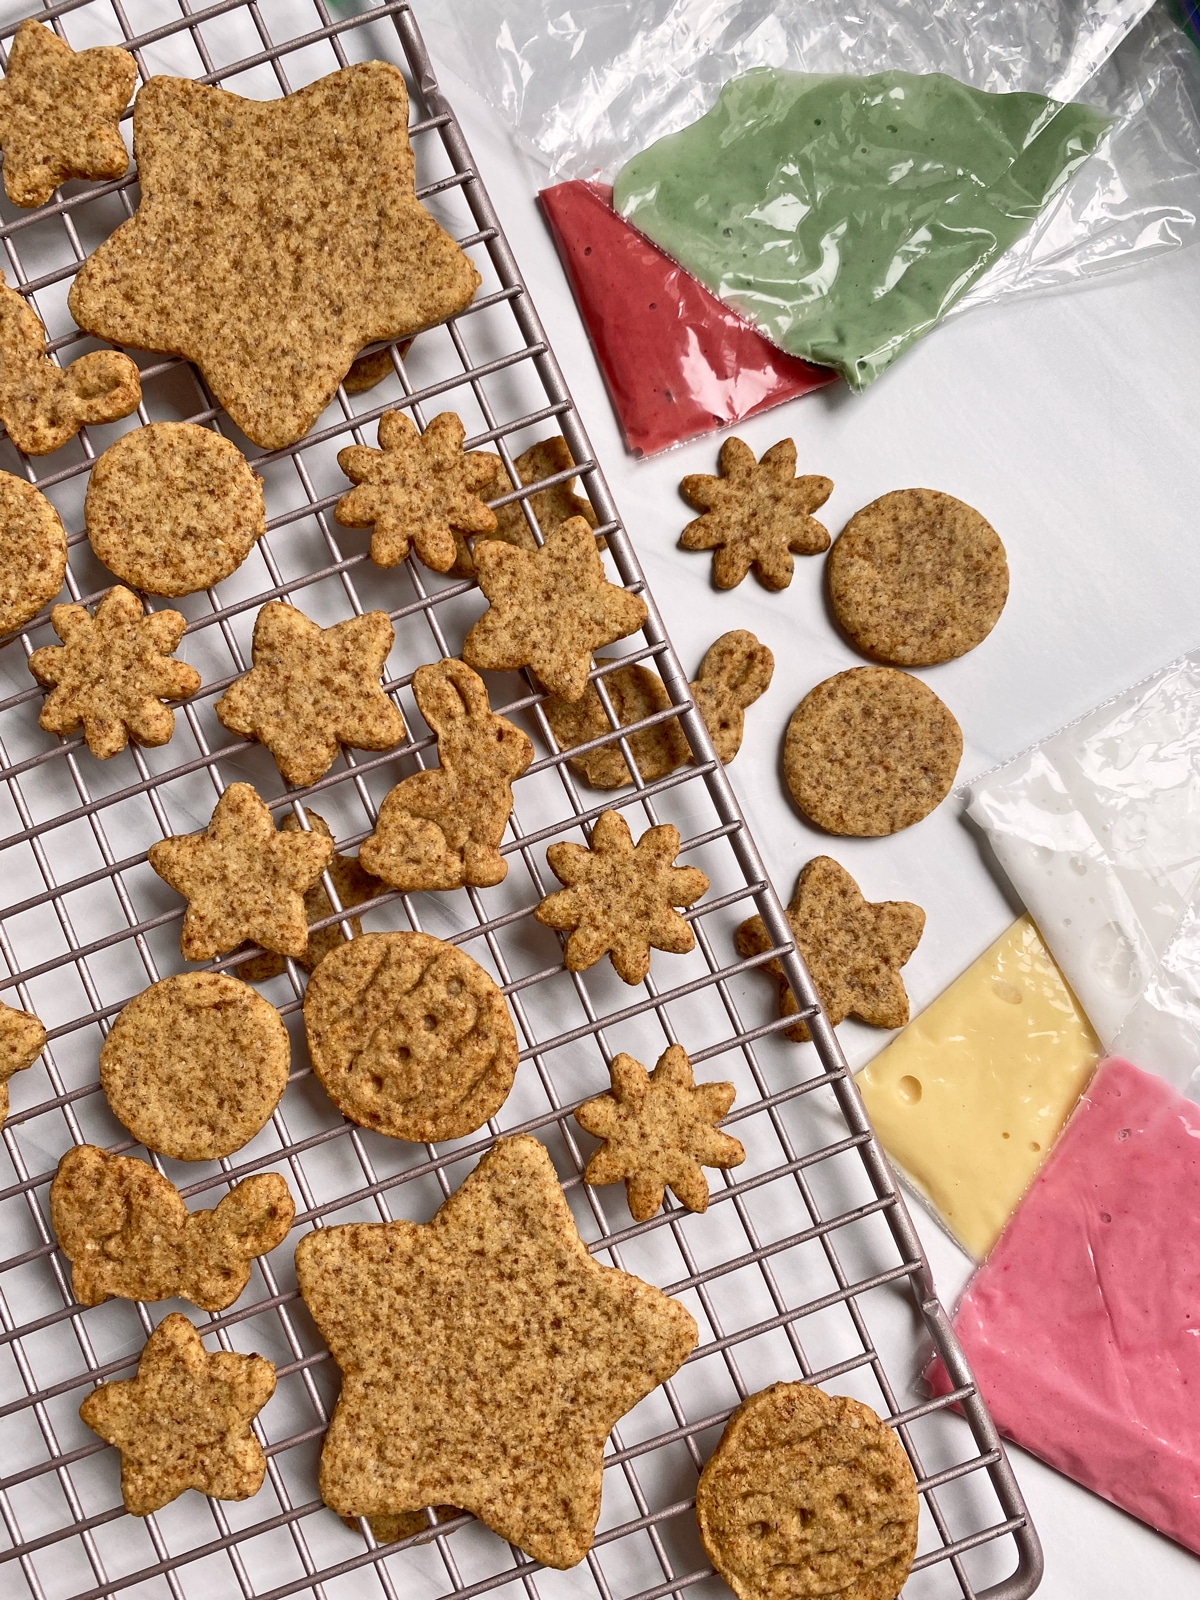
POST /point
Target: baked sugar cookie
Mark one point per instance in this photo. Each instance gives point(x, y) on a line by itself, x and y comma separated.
point(33, 552)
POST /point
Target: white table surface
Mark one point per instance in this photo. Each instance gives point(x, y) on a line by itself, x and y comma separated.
point(1070, 421)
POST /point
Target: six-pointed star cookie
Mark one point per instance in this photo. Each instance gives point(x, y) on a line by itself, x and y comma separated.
point(22, 1039)
point(485, 1357)
point(59, 113)
point(242, 878)
point(416, 489)
point(273, 241)
point(112, 673)
point(659, 1130)
point(620, 896)
point(756, 514)
point(853, 948)
point(311, 688)
point(184, 1421)
point(549, 609)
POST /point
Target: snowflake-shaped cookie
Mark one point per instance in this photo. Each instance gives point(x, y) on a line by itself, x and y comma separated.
point(756, 514)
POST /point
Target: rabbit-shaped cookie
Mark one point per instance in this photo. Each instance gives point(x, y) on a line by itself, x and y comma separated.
point(442, 829)
point(735, 671)
point(126, 1231)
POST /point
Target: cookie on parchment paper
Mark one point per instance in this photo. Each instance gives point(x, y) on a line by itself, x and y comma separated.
point(756, 514)
point(22, 1040)
point(33, 552)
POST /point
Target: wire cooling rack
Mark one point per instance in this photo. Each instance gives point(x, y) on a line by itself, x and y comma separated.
point(806, 1264)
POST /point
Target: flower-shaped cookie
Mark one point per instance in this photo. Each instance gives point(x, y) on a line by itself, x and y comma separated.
point(756, 514)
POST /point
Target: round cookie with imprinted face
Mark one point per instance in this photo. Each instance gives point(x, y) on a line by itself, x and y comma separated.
point(870, 751)
point(173, 508)
point(808, 1496)
point(33, 552)
point(917, 577)
point(409, 1036)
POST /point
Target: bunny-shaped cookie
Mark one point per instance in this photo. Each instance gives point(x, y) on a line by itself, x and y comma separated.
point(441, 829)
point(735, 671)
point(126, 1231)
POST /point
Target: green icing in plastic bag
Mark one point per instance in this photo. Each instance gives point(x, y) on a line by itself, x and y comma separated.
point(844, 215)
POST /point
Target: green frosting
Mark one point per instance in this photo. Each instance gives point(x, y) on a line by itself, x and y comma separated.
point(843, 216)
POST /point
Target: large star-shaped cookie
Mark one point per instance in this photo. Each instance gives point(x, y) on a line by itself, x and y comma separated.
point(756, 514)
point(620, 897)
point(311, 688)
point(242, 878)
point(22, 1039)
point(853, 948)
point(549, 608)
point(184, 1421)
point(59, 113)
point(274, 240)
point(485, 1357)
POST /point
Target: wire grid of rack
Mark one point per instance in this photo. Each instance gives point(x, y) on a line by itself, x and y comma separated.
point(806, 1264)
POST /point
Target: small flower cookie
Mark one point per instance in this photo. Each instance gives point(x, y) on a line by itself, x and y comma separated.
point(33, 552)
point(756, 514)
point(22, 1040)
point(659, 1129)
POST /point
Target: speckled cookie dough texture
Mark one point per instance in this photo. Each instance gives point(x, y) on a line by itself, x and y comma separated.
point(870, 751)
point(917, 577)
point(194, 1065)
point(274, 240)
point(22, 1040)
point(33, 552)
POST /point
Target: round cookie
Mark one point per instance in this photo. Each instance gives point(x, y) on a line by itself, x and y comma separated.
point(409, 1036)
point(917, 577)
point(195, 1064)
point(808, 1494)
point(870, 751)
point(172, 508)
point(33, 552)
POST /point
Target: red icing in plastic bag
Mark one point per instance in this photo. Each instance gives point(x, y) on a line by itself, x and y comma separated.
point(676, 361)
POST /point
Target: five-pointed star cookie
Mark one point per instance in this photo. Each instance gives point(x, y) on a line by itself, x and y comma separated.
point(59, 113)
point(416, 489)
point(184, 1421)
point(311, 688)
point(853, 948)
point(274, 240)
point(112, 673)
point(242, 879)
point(485, 1357)
point(659, 1129)
point(549, 608)
point(756, 514)
point(22, 1040)
point(620, 896)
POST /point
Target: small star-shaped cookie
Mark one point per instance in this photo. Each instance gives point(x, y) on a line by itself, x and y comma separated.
point(242, 879)
point(22, 1040)
point(416, 489)
point(59, 113)
point(620, 896)
point(112, 673)
point(311, 688)
point(756, 514)
point(659, 1129)
point(549, 608)
point(184, 1421)
point(853, 948)
point(485, 1357)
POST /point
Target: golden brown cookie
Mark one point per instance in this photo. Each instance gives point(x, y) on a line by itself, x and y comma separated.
point(369, 370)
point(172, 508)
point(870, 751)
point(636, 691)
point(808, 1496)
point(126, 1231)
point(112, 673)
point(548, 608)
point(659, 1129)
point(735, 672)
point(22, 1040)
point(853, 948)
point(415, 490)
point(42, 404)
point(405, 1525)
point(917, 577)
point(409, 1036)
point(442, 829)
point(60, 113)
point(184, 1421)
point(275, 239)
point(312, 688)
point(194, 1065)
point(485, 1357)
point(756, 514)
point(620, 897)
point(242, 878)
point(551, 507)
point(33, 552)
